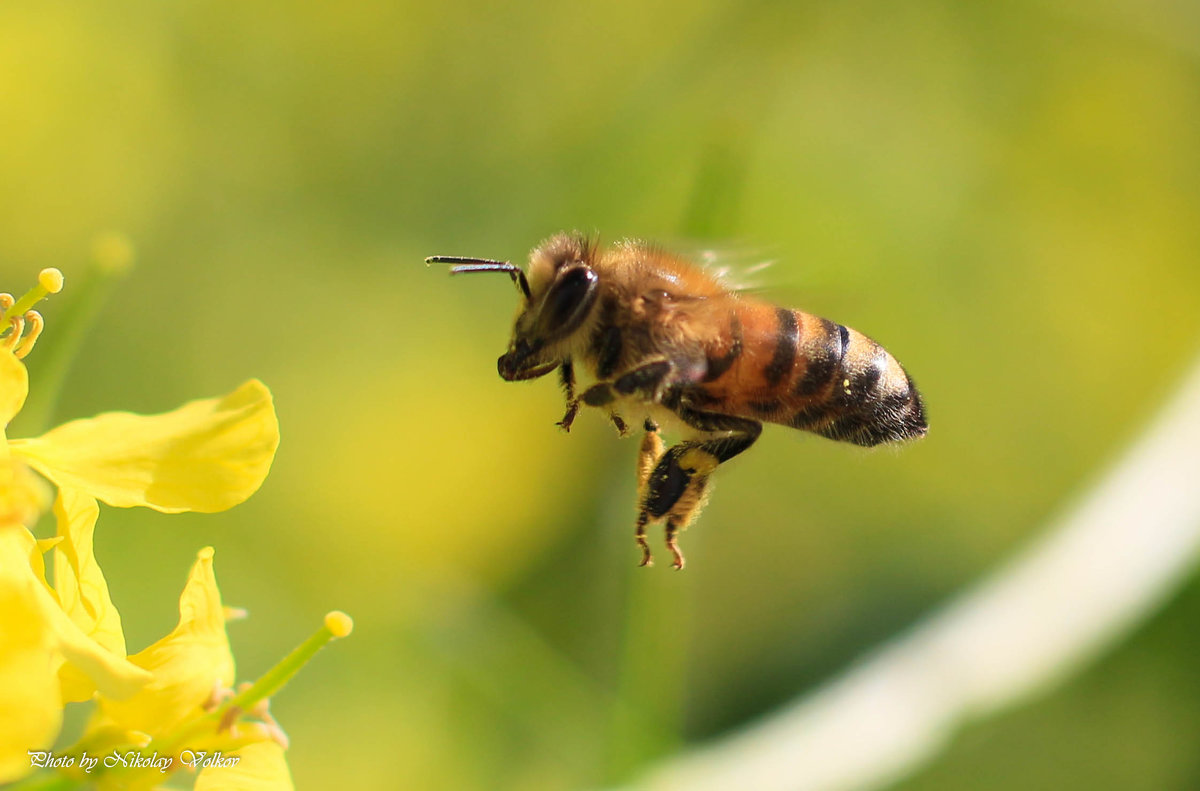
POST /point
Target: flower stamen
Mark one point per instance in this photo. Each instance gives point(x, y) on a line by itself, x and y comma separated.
point(50, 281)
point(220, 693)
point(36, 324)
point(262, 711)
point(228, 719)
point(17, 313)
point(17, 325)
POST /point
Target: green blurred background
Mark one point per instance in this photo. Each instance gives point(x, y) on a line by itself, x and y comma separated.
point(1005, 194)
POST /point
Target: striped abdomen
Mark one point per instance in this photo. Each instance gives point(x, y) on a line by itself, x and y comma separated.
point(786, 366)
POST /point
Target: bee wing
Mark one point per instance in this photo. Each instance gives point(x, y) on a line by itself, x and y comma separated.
point(737, 265)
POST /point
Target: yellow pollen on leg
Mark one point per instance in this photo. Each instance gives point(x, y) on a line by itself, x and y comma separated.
point(698, 462)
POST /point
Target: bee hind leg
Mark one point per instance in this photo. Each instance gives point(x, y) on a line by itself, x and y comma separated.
point(677, 486)
point(639, 535)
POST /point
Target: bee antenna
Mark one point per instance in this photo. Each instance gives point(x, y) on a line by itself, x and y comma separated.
point(465, 264)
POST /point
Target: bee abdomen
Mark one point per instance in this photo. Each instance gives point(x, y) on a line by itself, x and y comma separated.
point(851, 389)
point(800, 370)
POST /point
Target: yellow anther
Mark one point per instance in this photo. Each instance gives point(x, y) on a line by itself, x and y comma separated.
point(51, 279)
point(338, 623)
point(35, 323)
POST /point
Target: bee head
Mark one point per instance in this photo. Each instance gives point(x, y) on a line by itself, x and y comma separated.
point(559, 293)
point(562, 291)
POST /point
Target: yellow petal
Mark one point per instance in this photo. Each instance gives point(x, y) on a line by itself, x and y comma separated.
point(30, 706)
point(111, 673)
point(206, 456)
point(80, 586)
point(260, 767)
point(23, 495)
point(14, 386)
point(188, 664)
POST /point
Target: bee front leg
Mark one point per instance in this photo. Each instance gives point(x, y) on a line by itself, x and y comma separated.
point(566, 376)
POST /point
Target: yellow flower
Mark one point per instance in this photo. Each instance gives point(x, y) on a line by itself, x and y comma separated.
point(64, 644)
point(188, 713)
point(168, 707)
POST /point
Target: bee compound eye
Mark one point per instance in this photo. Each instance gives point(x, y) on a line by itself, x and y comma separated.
point(568, 301)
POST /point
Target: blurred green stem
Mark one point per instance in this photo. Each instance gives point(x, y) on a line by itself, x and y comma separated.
point(647, 715)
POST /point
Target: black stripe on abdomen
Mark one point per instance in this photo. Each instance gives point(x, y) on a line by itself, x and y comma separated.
point(826, 361)
point(785, 347)
point(870, 417)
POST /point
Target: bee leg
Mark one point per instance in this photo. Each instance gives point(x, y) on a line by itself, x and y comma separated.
point(678, 484)
point(569, 418)
point(673, 544)
point(646, 378)
point(648, 455)
point(639, 535)
point(676, 488)
point(567, 376)
point(619, 423)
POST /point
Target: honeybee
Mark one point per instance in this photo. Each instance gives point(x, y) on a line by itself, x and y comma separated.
point(664, 341)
